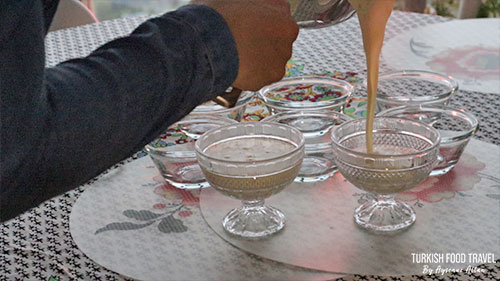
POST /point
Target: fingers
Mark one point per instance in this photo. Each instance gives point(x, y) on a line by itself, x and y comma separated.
point(292, 30)
point(284, 27)
point(281, 4)
point(264, 32)
point(266, 63)
point(264, 69)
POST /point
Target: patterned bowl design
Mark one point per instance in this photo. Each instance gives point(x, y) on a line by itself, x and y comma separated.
point(406, 152)
point(306, 93)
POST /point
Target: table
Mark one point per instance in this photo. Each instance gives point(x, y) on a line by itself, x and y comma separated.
point(38, 244)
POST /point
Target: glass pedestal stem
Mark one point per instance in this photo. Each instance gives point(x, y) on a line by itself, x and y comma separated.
point(253, 220)
point(249, 204)
point(383, 214)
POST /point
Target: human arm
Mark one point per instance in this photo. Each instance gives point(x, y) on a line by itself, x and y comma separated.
point(64, 125)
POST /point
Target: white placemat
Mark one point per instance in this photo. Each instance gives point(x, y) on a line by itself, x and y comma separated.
point(468, 50)
point(456, 214)
point(131, 222)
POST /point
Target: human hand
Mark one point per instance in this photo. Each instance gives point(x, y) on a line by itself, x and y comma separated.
point(264, 32)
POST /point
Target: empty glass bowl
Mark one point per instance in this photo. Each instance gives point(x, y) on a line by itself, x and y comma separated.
point(405, 152)
point(412, 87)
point(173, 152)
point(214, 109)
point(306, 93)
point(251, 161)
point(318, 163)
point(456, 127)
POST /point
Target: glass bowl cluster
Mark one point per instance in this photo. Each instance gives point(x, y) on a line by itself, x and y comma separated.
point(307, 138)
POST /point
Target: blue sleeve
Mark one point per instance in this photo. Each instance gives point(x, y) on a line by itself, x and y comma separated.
point(64, 125)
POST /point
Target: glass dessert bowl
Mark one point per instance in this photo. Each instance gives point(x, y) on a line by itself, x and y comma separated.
point(250, 162)
point(306, 93)
point(318, 163)
point(173, 151)
point(412, 87)
point(405, 152)
point(456, 127)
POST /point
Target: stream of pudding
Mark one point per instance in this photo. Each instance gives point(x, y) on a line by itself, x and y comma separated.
point(372, 16)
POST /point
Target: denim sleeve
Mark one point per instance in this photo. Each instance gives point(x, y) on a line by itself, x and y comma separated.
point(64, 125)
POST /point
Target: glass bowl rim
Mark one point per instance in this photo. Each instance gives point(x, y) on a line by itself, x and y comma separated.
point(300, 146)
point(191, 119)
point(315, 147)
point(271, 118)
point(464, 114)
point(170, 154)
point(384, 171)
point(309, 79)
point(335, 142)
point(449, 81)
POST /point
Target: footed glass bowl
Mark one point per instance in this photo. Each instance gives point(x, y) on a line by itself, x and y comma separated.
point(250, 162)
point(405, 152)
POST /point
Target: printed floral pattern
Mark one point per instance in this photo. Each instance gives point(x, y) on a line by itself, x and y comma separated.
point(351, 77)
point(476, 62)
point(435, 189)
point(168, 214)
point(294, 68)
point(256, 110)
point(173, 135)
point(356, 108)
point(255, 116)
point(305, 92)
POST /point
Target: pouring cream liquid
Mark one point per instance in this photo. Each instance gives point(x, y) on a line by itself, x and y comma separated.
point(373, 16)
